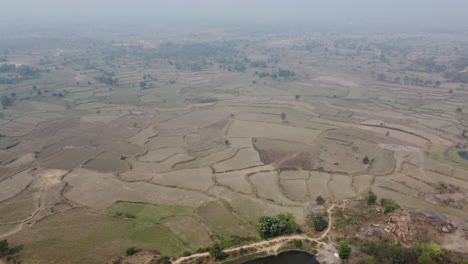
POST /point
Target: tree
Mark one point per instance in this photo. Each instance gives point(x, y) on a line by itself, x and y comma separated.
point(371, 199)
point(459, 109)
point(283, 116)
point(131, 251)
point(437, 84)
point(344, 250)
point(216, 251)
point(320, 222)
point(320, 200)
point(4, 249)
point(6, 102)
point(273, 226)
point(297, 97)
point(389, 205)
point(143, 85)
point(227, 142)
point(365, 160)
point(429, 253)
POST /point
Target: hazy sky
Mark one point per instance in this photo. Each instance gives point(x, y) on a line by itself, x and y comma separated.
point(402, 11)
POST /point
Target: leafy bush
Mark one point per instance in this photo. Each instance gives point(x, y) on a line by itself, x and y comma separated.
point(4, 249)
point(344, 250)
point(366, 160)
point(216, 251)
point(371, 199)
point(389, 205)
point(298, 243)
point(131, 251)
point(320, 222)
point(320, 200)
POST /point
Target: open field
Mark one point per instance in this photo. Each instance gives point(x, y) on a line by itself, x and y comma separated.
point(187, 139)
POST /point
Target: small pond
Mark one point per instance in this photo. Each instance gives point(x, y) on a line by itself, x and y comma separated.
point(296, 257)
point(463, 154)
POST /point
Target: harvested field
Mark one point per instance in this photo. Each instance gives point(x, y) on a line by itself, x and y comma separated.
point(243, 129)
point(14, 185)
point(110, 190)
point(245, 158)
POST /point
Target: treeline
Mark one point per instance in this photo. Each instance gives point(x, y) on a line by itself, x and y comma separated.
point(16, 74)
point(281, 73)
point(108, 78)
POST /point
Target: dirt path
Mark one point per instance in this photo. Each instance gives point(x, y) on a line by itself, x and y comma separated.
point(271, 245)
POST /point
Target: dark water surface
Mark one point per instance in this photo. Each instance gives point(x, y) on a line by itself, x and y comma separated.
point(463, 154)
point(290, 257)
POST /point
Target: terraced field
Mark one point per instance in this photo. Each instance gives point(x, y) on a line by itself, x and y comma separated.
point(200, 155)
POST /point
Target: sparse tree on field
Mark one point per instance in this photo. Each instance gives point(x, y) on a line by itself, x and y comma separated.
point(297, 97)
point(283, 116)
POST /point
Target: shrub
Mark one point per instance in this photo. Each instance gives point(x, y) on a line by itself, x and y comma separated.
point(366, 160)
point(429, 253)
point(320, 200)
point(4, 249)
point(298, 243)
point(131, 251)
point(164, 260)
point(216, 251)
point(371, 199)
point(389, 205)
point(320, 222)
point(344, 250)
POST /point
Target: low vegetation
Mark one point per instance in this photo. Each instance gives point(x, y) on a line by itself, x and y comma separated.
point(389, 205)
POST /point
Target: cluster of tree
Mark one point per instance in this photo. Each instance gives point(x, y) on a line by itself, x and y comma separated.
point(389, 205)
point(108, 78)
point(428, 65)
point(458, 76)
point(407, 80)
point(423, 253)
point(17, 74)
point(281, 73)
point(273, 226)
point(258, 64)
point(6, 101)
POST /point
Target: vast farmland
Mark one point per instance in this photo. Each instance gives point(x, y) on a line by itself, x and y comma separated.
point(172, 142)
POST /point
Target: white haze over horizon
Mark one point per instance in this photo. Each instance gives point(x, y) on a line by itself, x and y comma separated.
point(434, 12)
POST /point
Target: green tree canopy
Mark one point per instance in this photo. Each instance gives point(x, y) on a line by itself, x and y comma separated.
point(320, 222)
point(272, 226)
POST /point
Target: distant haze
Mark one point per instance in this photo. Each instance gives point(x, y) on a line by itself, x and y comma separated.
point(432, 12)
